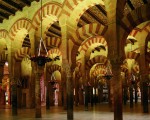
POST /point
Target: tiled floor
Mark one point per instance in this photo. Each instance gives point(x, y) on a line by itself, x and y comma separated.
point(100, 112)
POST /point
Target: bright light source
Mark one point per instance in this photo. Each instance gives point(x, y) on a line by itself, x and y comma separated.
point(6, 63)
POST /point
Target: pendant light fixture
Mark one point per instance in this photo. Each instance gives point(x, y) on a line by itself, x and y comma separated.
point(39, 58)
point(108, 73)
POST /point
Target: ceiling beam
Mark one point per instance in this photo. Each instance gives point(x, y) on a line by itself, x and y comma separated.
point(26, 2)
point(54, 29)
point(50, 34)
point(56, 26)
point(4, 16)
point(79, 25)
point(130, 5)
point(83, 18)
point(58, 34)
point(13, 4)
point(101, 9)
point(7, 9)
point(95, 17)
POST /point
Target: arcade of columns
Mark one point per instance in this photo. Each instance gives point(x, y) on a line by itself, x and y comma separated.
point(120, 42)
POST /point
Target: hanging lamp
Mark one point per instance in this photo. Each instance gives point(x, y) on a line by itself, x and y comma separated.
point(39, 58)
point(108, 73)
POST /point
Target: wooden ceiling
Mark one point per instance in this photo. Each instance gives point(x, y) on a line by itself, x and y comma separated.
point(95, 14)
point(10, 7)
point(133, 4)
point(54, 30)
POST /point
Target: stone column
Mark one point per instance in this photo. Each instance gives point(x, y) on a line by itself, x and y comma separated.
point(2, 97)
point(98, 87)
point(125, 90)
point(145, 97)
point(51, 92)
point(100, 93)
point(125, 95)
point(2, 92)
point(17, 77)
point(114, 37)
point(117, 88)
point(76, 85)
point(92, 97)
point(86, 88)
point(14, 83)
point(38, 74)
point(149, 93)
point(60, 94)
point(131, 95)
point(136, 96)
point(32, 86)
point(110, 96)
point(69, 85)
point(143, 64)
point(66, 61)
point(66, 52)
point(63, 77)
point(48, 90)
point(47, 95)
point(81, 98)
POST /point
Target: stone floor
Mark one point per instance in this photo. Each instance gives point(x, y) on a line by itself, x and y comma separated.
point(99, 112)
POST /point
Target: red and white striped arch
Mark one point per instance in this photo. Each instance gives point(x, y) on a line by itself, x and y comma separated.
point(98, 72)
point(98, 59)
point(54, 68)
point(20, 54)
point(47, 10)
point(135, 31)
point(147, 27)
point(69, 6)
point(136, 17)
point(3, 33)
point(88, 31)
point(53, 41)
point(132, 55)
point(19, 24)
point(100, 66)
point(54, 51)
point(76, 8)
point(98, 39)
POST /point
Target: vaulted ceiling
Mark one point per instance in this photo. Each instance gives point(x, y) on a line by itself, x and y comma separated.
point(10, 7)
point(133, 4)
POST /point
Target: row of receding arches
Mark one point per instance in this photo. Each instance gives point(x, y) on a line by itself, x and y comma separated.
point(87, 38)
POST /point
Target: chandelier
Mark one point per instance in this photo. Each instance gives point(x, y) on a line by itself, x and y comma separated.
point(132, 79)
point(108, 73)
point(53, 80)
point(41, 59)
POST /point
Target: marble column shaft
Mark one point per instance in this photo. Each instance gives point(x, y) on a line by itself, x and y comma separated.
point(117, 88)
point(38, 74)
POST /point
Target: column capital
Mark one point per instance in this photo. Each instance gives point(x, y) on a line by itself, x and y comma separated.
point(67, 69)
point(116, 61)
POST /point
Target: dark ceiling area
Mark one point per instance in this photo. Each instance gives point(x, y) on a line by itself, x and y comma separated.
point(10, 7)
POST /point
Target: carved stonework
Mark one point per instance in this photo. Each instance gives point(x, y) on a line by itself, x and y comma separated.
point(67, 69)
point(116, 62)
